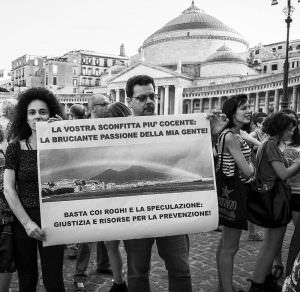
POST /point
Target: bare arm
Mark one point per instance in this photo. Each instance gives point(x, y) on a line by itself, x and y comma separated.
point(250, 138)
point(285, 172)
point(233, 147)
point(12, 198)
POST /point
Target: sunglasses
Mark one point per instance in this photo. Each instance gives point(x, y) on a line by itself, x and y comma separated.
point(144, 97)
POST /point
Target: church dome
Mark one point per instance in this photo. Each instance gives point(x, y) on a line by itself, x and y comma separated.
point(194, 18)
point(224, 54)
point(190, 38)
point(224, 62)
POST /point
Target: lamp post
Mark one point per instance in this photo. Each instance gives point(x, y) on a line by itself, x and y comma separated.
point(288, 10)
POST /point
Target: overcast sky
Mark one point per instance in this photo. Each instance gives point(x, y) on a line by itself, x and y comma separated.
point(54, 27)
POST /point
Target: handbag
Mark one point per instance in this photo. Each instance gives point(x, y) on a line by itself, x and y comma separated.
point(269, 208)
point(231, 193)
point(7, 264)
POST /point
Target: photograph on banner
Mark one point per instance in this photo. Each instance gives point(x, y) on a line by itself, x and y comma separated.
point(141, 170)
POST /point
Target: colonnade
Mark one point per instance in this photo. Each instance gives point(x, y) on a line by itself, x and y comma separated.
point(261, 101)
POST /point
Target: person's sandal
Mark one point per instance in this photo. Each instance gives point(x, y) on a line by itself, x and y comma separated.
point(277, 271)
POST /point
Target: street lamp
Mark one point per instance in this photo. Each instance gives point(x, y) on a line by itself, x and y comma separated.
point(288, 10)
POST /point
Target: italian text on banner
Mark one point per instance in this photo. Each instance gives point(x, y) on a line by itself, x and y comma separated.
point(124, 178)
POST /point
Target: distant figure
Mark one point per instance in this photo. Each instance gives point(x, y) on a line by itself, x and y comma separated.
point(77, 112)
point(98, 105)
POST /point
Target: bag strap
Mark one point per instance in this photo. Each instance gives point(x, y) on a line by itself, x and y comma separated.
point(259, 159)
point(223, 146)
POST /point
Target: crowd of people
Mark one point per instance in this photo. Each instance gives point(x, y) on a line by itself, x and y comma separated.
point(255, 154)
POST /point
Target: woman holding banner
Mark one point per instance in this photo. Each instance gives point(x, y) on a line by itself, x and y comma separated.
point(234, 171)
point(22, 193)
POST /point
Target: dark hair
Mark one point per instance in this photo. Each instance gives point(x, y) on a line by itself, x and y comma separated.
point(277, 123)
point(230, 106)
point(117, 109)
point(258, 118)
point(78, 111)
point(138, 80)
point(296, 135)
point(1, 135)
point(20, 128)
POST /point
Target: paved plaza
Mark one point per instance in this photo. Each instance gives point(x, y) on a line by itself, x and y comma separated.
point(202, 260)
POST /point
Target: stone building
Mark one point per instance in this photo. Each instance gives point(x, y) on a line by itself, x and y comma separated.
point(74, 72)
point(197, 62)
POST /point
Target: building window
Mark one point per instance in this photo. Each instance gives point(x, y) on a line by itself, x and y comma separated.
point(90, 60)
point(274, 67)
point(114, 62)
point(90, 81)
point(97, 82)
point(256, 52)
point(83, 82)
point(265, 69)
point(97, 72)
point(54, 80)
point(47, 80)
point(83, 60)
point(274, 49)
point(74, 82)
point(279, 47)
point(97, 62)
point(83, 71)
point(105, 63)
point(290, 48)
point(89, 71)
point(54, 69)
point(74, 70)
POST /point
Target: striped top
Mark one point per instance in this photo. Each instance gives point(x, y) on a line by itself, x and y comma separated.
point(229, 164)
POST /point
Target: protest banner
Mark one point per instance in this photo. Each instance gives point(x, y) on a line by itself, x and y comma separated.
point(134, 177)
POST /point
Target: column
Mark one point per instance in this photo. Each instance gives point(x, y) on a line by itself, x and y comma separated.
point(125, 97)
point(178, 103)
point(257, 102)
point(117, 95)
point(210, 104)
point(161, 105)
point(166, 103)
point(66, 108)
point(192, 106)
point(294, 99)
point(156, 101)
point(201, 105)
point(276, 100)
point(220, 103)
point(267, 102)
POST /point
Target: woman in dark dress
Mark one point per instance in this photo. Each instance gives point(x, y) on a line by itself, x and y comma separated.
point(22, 193)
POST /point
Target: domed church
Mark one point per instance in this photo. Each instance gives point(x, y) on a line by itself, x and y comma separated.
point(191, 37)
point(197, 62)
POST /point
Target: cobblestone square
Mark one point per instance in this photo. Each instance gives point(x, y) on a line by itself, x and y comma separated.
point(202, 262)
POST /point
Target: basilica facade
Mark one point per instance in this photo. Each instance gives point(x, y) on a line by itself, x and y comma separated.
point(197, 62)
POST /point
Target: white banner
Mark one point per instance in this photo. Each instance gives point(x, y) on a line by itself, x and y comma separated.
point(123, 178)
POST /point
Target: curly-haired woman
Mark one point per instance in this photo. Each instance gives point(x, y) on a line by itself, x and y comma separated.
point(22, 193)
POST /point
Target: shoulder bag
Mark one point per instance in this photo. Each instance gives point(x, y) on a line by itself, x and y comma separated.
point(269, 208)
point(231, 197)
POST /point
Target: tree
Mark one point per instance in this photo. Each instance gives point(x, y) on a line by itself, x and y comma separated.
point(3, 89)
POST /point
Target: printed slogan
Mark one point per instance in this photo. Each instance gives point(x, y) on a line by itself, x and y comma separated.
point(134, 177)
